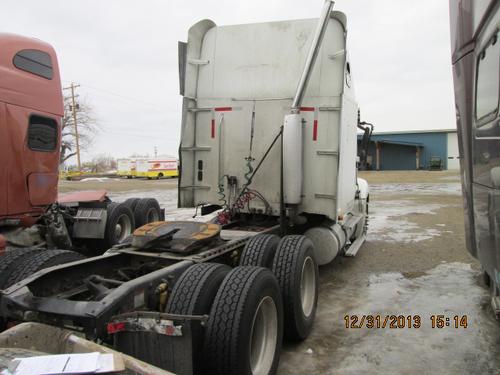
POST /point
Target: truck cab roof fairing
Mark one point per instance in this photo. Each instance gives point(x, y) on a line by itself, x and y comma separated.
point(20, 87)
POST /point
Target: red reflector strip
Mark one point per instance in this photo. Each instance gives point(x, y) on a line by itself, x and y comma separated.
point(213, 128)
point(115, 327)
point(306, 109)
point(223, 109)
point(170, 330)
point(315, 130)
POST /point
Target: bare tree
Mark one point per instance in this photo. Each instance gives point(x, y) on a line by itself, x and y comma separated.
point(87, 128)
point(103, 163)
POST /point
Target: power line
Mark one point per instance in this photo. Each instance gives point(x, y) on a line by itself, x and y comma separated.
point(128, 134)
point(118, 95)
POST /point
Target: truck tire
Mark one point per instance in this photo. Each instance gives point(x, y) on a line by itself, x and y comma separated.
point(245, 326)
point(146, 211)
point(10, 261)
point(35, 262)
point(119, 225)
point(193, 294)
point(259, 251)
point(297, 272)
point(131, 203)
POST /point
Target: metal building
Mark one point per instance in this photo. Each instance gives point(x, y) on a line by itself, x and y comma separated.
point(414, 150)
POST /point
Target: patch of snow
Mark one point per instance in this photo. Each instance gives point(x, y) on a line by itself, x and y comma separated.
point(388, 221)
point(417, 188)
point(99, 179)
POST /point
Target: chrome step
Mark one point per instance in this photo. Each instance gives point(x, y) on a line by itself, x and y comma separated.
point(355, 246)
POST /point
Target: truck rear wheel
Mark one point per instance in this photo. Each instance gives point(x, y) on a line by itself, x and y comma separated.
point(259, 251)
point(297, 272)
point(35, 262)
point(245, 326)
point(119, 225)
point(146, 211)
point(193, 294)
point(10, 261)
point(131, 203)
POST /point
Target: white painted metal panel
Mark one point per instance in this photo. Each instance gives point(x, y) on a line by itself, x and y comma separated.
point(256, 67)
point(453, 154)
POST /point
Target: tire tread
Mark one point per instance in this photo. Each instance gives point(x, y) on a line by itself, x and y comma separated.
point(255, 250)
point(36, 262)
point(225, 319)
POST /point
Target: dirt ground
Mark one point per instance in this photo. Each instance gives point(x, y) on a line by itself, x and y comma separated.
point(414, 262)
point(113, 185)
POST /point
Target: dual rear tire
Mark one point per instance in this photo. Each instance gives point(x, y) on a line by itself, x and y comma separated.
point(145, 210)
point(124, 218)
point(19, 264)
point(244, 331)
point(292, 261)
point(271, 295)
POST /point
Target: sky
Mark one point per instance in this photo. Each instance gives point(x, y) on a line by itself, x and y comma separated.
point(123, 53)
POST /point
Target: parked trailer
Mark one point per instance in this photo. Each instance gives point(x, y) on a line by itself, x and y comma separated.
point(126, 168)
point(274, 162)
point(476, 58)
point(157, 168)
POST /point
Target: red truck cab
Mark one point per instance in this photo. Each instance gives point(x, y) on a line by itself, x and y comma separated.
point(31, 108)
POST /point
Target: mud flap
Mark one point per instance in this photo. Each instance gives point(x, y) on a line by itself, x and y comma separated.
point(164, 340)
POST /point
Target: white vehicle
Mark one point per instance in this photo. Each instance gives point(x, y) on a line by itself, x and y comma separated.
point(243, 87)
point(125, 167)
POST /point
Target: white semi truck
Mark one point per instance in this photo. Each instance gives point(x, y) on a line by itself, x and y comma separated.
point(268, 148)
point(270, 128)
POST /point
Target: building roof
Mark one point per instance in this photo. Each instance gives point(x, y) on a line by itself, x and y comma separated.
point(400, 143)
point(417, 131)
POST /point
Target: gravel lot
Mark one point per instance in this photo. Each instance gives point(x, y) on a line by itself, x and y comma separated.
point(413, 263)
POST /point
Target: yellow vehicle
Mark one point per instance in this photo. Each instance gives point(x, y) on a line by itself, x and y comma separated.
point(157, 168)
point(125, 168)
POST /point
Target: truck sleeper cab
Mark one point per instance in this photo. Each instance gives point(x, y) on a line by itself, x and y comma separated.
point(238, 84)
point(476, 72)
point(30, 118)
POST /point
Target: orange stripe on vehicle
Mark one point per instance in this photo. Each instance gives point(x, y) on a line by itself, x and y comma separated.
point(223, 109)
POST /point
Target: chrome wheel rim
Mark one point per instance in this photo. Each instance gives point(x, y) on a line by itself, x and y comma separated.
point(152, 215)
point(123, 228)
point(308, 286)
point(263, 337)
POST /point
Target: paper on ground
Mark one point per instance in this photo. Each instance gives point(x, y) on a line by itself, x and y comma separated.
point(65, 364)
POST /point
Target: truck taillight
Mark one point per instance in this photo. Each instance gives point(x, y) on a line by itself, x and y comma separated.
point(116, 327)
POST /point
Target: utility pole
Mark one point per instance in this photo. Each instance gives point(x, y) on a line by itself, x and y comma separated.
point(156, 152)
point(73, 110)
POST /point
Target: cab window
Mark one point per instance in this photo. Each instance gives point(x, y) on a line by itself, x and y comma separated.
point(42, 134)
point(488, 80)
point(35, 62)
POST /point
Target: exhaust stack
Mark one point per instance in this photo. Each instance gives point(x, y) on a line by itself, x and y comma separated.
point(292, 129)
